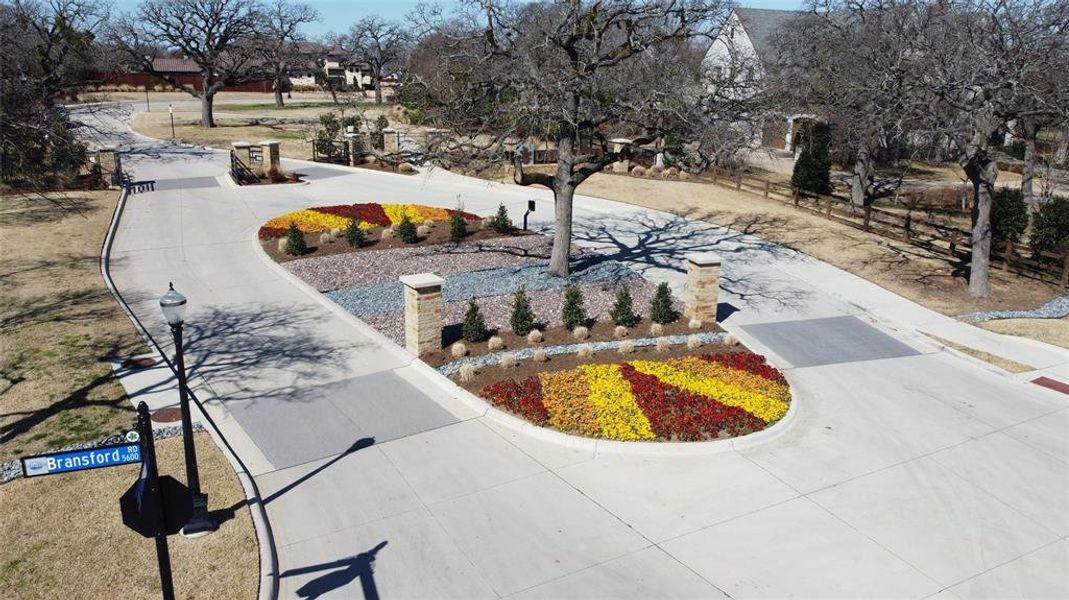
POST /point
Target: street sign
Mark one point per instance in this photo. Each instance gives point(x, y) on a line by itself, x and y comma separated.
point(81, 460)
point(143, 516)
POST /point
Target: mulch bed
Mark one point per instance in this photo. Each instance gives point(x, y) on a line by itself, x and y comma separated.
point(439, 235)
point(559, 335)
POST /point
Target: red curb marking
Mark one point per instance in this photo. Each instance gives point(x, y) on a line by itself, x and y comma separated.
point(1052, 384)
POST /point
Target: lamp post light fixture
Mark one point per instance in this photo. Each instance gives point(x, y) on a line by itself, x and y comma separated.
point(173, 305)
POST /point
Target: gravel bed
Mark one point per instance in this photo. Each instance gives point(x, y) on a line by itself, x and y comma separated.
point(709, 337)
point(1055, 309)
point(388, 296)
point(12, 469)
point(598, 298)
point(354, 269)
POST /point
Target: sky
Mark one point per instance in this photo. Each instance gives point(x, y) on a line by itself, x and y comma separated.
point(337, 15)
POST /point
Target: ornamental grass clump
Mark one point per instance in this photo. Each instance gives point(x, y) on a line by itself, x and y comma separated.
point(500, 221)
point(467, 372)
point(474, 327)
point(282, 243)
point(626, 347)
point(573, 313)
point(581, 333)
point(354, 236)
point(695, 324)
point(656, 329)
point(387, 234)
point(541, 355)
point(508, 360)
point(423, 231)
point(661, 310)
point(535, 337)
point(620, 332)
point(522, 318)
point(585, 351)
point(295, 245)
point(662, 344)
point(694, 342)
point(731, 340)
point(495, 343)
point(623, 311)
point(458, 227)
point(458, 350)
point(325, 238)
point(406, 230)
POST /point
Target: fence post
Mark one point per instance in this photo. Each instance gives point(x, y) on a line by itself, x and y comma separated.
point(827, 211)
point(796, 194)
point(868, 216)
point(738, 181)
point(768, 187)
point(908, 225)
point(1007, 257)
point(714, 174)
point(1065, 271)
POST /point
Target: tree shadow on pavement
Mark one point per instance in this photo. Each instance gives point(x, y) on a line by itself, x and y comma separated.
point(341, 573)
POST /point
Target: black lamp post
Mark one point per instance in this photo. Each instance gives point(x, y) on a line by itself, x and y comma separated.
point(173, 305)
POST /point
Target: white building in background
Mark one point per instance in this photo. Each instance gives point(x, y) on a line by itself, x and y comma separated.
point(737, 60)
point(324, 65)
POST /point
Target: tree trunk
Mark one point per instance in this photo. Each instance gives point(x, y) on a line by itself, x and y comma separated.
point(563, 196)
point(278, 92)
point(378, 90)
point(982, 172)
point(1028, 172)
point(861, 180)
point(207, 119)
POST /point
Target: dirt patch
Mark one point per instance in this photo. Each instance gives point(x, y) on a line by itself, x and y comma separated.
point(555, 336)
point(1003, 363)
point(564, 362)
point(439, 234)
point(52, 551)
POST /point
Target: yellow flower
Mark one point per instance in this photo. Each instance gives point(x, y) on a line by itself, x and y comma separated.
point(619, 415)
point(761, 406)
point(308, 221)
point(736, 377)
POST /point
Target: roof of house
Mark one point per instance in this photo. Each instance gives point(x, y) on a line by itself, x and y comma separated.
point(761, 25)
point(174, 65)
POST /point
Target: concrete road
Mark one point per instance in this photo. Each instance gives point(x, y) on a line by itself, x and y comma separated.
point(909, 472)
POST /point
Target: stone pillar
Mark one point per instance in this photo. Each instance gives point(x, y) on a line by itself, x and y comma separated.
point(423, 313)
point(271, 154)
point(703, 286)
point(788, 139)
point(391, 141)
point(618, 145)
point(108, 161)
point(242, 149)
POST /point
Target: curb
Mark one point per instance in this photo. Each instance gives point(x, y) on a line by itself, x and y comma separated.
point(268, 588)
point(485, 410)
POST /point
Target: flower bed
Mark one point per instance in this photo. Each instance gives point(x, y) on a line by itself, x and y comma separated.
point(325, 218)
point(687, 399)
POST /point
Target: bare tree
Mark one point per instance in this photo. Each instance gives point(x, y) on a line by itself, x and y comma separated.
point(215, 34)
point(383, 45)
point(277, 40)
point(979, 70)
point(577, 73)
point(848, 61)
point(50, 51)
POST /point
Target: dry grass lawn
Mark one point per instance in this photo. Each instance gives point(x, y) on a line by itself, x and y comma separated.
point(1051, 331)
point(59, 324)
point(293, 135)
point(62, 536)
point(1003, 363)
point(924, 277)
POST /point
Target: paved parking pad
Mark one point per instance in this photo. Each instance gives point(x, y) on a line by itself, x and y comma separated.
point(327, 420)
point(827, 341)
point(185, 183)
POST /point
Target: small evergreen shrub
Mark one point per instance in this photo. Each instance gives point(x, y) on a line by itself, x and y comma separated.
point(573, 313)
point(354, 236)
point(623, 311)
point(522, 319)
point(812, 170)
point(661, 310)
point(295, 245)
point(1009, 216)
point(1050, 228)
point(458, 227)
point(406, 230)
point(474, 328)
point(500, 221)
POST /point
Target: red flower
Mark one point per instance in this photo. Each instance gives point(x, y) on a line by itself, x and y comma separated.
point(368, 213)
point(267, 233)
point(677, 414)
point(521, 397)
point(746, 361)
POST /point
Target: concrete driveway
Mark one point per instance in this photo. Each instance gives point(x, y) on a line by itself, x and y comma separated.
point(910, 472)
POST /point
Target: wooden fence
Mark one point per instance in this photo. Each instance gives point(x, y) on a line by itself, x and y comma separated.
point(942, 238)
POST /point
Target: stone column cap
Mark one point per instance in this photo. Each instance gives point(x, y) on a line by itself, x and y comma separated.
point(269, 142)
point(420, 281)
point(705, 259)
point(240, 144)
